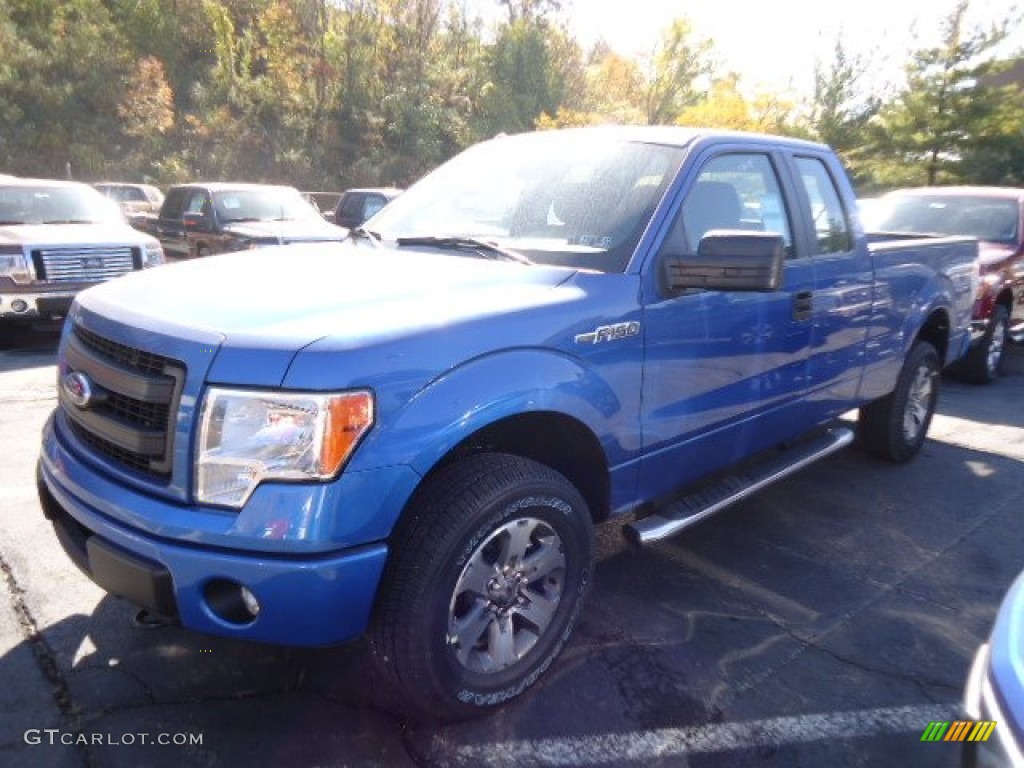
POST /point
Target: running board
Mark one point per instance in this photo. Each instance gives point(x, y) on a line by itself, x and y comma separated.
point(709, 499)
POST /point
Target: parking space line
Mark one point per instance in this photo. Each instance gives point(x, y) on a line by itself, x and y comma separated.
point(646, 746)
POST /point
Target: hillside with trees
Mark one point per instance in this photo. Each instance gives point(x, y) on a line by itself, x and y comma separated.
point(331, 94)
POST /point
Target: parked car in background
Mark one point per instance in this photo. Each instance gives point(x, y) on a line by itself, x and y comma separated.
point(133, 198)
point(203, 219)
point(357, 205)
point(325, 202)
point(56, 238)
point(995, 688)
point(995, 216)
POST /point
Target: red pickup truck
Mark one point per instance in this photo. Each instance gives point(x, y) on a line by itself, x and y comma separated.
point(994, 215)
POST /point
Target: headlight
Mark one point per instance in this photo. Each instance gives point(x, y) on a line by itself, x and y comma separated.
point(13, 263)
point(247, 437)
point(153, 256)
point(987, 283)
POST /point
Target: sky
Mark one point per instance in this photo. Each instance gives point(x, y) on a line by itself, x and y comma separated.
point(773, 44)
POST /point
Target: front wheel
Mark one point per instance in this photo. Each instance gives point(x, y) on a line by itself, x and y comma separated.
point(981, 365)
point(895, 426)
point(487, 576)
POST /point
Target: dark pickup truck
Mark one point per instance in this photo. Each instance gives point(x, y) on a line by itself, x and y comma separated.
point(203, 219)
point(414, 434)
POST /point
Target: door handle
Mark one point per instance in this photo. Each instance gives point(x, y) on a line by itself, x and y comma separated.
point(803, 305)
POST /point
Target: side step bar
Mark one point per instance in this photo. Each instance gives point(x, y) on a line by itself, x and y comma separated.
point(718, 495)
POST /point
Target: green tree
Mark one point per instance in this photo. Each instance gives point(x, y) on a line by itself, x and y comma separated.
point(535, 68)
point(842, 107)
point(679, 63)
point(924, 133)
point(64, 77)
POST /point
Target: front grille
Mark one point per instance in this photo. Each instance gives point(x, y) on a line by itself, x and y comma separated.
point(122, 354)
point(84, 265)
point(129, 419)
point(121, 455)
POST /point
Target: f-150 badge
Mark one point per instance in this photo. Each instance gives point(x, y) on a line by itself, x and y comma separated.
point(609, 333)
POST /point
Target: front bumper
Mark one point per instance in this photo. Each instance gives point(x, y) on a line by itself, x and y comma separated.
point(981, 702)
point(35, 306)
point(305, 599)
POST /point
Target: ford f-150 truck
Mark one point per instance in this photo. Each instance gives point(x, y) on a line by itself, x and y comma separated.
point(412, 436)
point(57, 238)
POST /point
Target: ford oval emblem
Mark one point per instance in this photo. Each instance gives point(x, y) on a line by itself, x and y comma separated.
point(78, 389)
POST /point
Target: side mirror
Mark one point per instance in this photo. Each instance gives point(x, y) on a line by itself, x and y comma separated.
point(730, 260)
point(196, 222)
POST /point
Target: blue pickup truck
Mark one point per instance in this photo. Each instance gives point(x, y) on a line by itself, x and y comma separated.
point(411, 435)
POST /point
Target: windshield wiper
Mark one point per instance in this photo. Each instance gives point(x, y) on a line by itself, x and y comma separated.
point(11, 223)
point(362, 233)
point(483, 248)
point(71, 221)
point(243, 218)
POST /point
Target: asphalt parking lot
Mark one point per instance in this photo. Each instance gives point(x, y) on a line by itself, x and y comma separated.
point(826, 621)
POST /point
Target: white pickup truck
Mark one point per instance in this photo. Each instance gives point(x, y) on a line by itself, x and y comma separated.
point(57, 238)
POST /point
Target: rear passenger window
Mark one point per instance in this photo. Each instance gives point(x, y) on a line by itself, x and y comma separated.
point(831, 227)
point(197, 202)
point(175, 202)
point(734, 191)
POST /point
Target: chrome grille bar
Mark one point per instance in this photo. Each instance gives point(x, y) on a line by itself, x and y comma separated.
point(64, 265)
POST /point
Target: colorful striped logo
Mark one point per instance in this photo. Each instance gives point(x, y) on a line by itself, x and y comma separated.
point(960, 730)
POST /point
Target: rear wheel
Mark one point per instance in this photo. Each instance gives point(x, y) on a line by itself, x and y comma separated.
point(895, 426)
point(486, 579)
point(982, 363)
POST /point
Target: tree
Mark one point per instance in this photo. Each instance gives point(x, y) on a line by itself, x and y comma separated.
point(996, 153)
point(677, 65)
point(938, 115)
point(842, 107)
point(534, 68)
point(146, 110)
point(726, 107)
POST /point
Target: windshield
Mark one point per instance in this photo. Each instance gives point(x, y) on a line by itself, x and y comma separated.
point(990, 219)
point(557, 198)
point(45, 204)
point(272, 204)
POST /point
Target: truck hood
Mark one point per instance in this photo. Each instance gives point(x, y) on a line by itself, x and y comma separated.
point(278, 300)
point(71, 234)
point(287, 231)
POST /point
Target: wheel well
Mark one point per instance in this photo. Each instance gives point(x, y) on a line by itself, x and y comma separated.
point(936, 332)
point(553, 439)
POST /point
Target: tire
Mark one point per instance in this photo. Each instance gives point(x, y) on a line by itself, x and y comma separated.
point(453, 642)
point(981, 365)
point(895, 426)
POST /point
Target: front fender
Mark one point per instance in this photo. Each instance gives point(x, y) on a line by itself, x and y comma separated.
point(485, 390)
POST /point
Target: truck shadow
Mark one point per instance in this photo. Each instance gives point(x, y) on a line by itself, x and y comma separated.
point(852, 584)
point(23, 347)
point(997, 403)
point(249, 704)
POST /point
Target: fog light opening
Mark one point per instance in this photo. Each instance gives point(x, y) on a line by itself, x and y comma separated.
point(231, 602)
point(19, 305)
